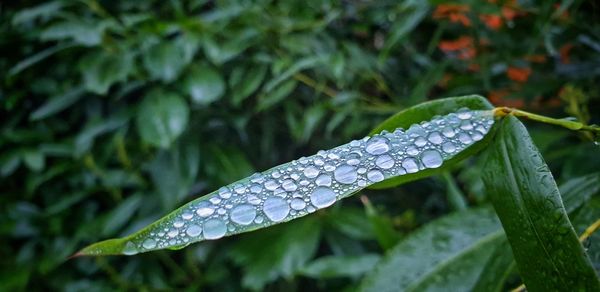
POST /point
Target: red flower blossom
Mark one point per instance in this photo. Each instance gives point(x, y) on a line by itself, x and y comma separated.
point(462, 47)
point(492, 21)
point(520, 75)
point(455, 13)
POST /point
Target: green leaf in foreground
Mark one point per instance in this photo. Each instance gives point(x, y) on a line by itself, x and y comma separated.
point(546, 249)
point(161, 118)
point(305, 185)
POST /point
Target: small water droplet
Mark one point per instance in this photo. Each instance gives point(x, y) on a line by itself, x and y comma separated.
point(431, 159)
point(448, 147)
point(297, 204)
point(172, 233)
point(323, 180)
point(465, 138)
point(238, 189)
point(204, 209)
point(311, 171)
point(466, 125)
point(435, 138)
point(353, 158)
point(410, 165)
point(345, 174)
point(289, 185)
point(214, 229)
point(377, 145)
point(259, 220)
point(187, 215)
point(276, 208)
point(385, 161)
point(322, 197)
point(215, 200)
point(412, 150)
point(243, 214)
point(271, 185)
point(464, 114)
point(129, 248)
point(178, 224)
point(224, 193)
point(256, 188)
point(149, 243)
point(420, 142)
point(375, 175)
point(448, 132)
point(193, 230)
point(252, 199)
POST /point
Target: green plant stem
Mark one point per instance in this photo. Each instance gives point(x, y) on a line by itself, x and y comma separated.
point(571, 125)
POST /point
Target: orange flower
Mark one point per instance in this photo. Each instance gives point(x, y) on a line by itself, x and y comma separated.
point(498, 97)
point(456, 13)
point(509, 13)
point(538, 58)
point(492, 21)
point(462, 47)
point(565, 51)
point(518, 74)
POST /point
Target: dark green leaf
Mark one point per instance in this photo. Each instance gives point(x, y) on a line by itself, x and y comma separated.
point(340, 266)
point(56, 104)
point(526, 198)
point(102, 69)
point(165, 60)
point(161, 118)
point(204, 85)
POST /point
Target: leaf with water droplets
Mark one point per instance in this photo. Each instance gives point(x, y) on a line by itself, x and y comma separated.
point(301, 187)
point(526, 199)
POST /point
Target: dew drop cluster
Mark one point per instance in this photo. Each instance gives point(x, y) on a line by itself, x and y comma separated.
point(310, 183)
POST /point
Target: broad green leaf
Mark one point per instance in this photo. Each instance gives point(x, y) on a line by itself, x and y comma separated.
point(275, 252)
point(42, 11)
point(165, 60)
point(245, 81)
point(412, 12)
point(82, 32)
point(583, 218)
point(34, 159)
point(442, 254)
point(305, 185)
point(102, 69)
point(204, 85)
point(267, 100)
point(427, 111)
point(577, 191)
point(38, 57)
point(497, 269)
point(162, 117)
point(340, 266)
point(56, 104)
point(522, 189)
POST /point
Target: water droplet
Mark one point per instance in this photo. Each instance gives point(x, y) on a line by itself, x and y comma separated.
point(435, 138)
point(289, 185)
point(129, 248)
point(319, 161)
point(431, 159)
point(311, 171)
point(259, 220)
point(322, 197)
point(187, 215)
point(465, 138)
point(178, 224)
point(377, 145)
point(193, 230)
point(345, 174)
point(252, 199)
point(375, 175)
point(238, 189)
point(466, 125)
point(412, 150)
point(243, 214)
point(172, 233)
point(353, 158)
point(149, 243)
point(215, 200)
point(271, 185)
point(323, 180)
point(297, 204)
point(410, 165)
point(256, 188)
point(448, 147)
point(477, 136)
point(224, 193)
point(420, 142)
point(276, 208)
point(464, 114)
point(385, 161)
point(448, 132)
point(214, 228)
point(204, 209)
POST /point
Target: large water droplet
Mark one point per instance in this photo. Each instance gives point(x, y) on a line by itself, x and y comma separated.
point(224, 193)
point(256, 188)
point(276, 209)
point(204, 209)
point(271, 185)
point(448, 132)
point(187, 215)
point(377, 145)
point(466, 125)
point(130, 249)
point(214, 228)
point(323, 180)
point(375, 175)
point(252, 199)
point(297, 204)
point(410, 165)
point(464, 114)
point(353, 158)
point(243, 214)
point(193, 230)
point(431, 159)
point(345, 174)
point(385, 161)
point(149, 243)
point(311, 172)
point(435, 138)
point(465, 138)
point(420, 142)
point(322, 197)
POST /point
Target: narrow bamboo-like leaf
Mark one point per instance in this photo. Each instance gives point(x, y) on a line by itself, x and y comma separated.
point(547, 251)
point(444, 253)
point(427, 111)
point(310, 183)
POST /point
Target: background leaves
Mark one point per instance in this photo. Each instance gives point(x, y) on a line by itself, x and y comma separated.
point(83, 120)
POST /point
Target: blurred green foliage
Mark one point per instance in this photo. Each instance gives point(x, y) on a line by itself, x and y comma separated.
point(115, 112)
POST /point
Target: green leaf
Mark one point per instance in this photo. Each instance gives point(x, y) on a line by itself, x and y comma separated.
point(340, 266)
point(34, 159)
point(204, 85)
point(412, 12)
point(245, 81)
point(81, 32)
point(577, 191)
point(426, 111)
point(56, 104)
point(442, 254)
point(102, 69)
point(275, 252)
point(38, 57)
point(300, 187)
point(165, 60)
point(161, 118)
point(526, 199)
point(267, 100)
point(497, 269)
point(42, 11)
point(583, 218)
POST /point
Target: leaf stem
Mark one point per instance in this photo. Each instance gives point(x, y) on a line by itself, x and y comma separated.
point(571, 125)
